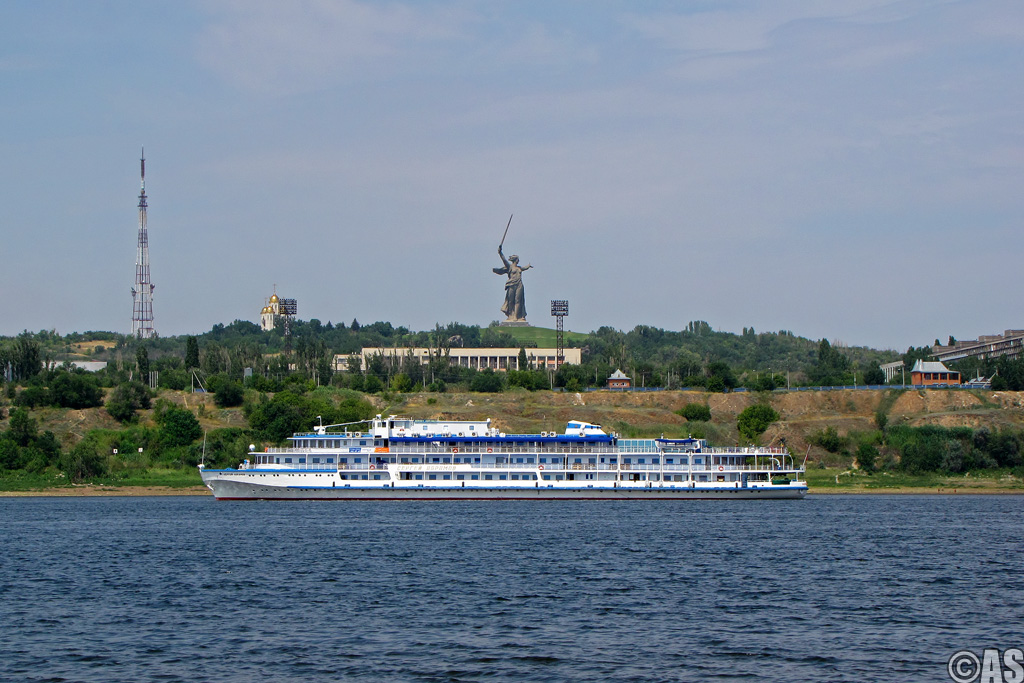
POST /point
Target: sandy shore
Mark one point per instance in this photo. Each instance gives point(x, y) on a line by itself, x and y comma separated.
point(93, 490)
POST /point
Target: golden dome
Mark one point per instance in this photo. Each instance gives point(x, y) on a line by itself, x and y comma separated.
point(266, 309)
point(274, 299)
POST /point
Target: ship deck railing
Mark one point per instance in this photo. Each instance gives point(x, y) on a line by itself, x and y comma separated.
point(555, 467)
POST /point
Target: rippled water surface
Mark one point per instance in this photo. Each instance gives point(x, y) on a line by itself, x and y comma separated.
point(856, 588)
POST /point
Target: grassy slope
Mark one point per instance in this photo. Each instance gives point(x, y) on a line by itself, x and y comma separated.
point(543, 337)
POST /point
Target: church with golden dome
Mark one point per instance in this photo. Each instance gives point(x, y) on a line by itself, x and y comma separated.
point(270, 311)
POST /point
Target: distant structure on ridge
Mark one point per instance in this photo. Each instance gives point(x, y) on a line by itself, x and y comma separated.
point(142, 292)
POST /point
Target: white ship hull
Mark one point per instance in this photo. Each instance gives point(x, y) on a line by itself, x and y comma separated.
point(231, 488)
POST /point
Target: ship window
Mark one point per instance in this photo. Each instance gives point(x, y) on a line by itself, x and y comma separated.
point(357, 459)
point(287, 459)
point(476, 459)
point(592, 461)
point(366, 476)
point(529, 460)
point(516, 476)
point(277, 461)
point(302, 460)
point(415, 459)
point(543, 460)
point(342, 459)
point(330, 461)
point(376, 476)
point(547, 477)
point(640, 461)
point(488, 477)
point(419, 476)
point(627, 460)
point(405, 460)
point(502, 477)
point(474, 477)
point(460, 476)
point(698, 461)
point(435, 460)
point(654, 461)
point(431, 476)
point(362, 443)
point(343, 476)
point(316, 459)
point(578, 461)
point(446, 476)
point(519, 460)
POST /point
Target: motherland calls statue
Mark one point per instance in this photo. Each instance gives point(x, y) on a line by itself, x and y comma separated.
point(514, 307)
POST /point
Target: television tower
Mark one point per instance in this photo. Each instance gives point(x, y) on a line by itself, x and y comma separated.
point(142, 292)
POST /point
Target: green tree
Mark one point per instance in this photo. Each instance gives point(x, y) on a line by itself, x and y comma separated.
point(867, 457)
point(127, 398)
point(487, 380)
point(142, 362)
point(401, 383)
point(74, 390)
point(832, 367)
point(23, 428)
point(722, 371)
point(84, 461)
point(191, 353)
point(524, 363)
point(873, 375)
point(178, 427)
point(754, 420)
point(229, 394)
point(24, 357)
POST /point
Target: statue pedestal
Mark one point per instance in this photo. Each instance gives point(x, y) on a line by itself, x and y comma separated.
point(513, 323)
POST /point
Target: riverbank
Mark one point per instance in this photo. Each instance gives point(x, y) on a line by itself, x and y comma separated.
point(84, 490)
point(90, 490)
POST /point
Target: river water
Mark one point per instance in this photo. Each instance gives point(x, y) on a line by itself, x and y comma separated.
point(831, 588)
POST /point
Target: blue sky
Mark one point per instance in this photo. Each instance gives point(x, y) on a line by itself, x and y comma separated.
point(851, 170)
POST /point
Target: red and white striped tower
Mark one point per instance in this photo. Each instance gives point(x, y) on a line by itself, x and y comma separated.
point(142, 292)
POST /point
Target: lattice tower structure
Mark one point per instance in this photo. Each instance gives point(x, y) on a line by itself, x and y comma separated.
point(559, 309)
point(142, 292)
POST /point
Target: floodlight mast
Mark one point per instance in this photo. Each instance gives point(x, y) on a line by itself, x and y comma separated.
point(559, 309)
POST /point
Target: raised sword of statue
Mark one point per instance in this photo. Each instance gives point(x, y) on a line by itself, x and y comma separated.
point(502, 243)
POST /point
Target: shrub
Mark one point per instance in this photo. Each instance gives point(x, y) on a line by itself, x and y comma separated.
point(229, 394)
point(487, 380)
point(83, 462)
point(372, 384)
point(867, 457)
point(401, 383)
point(72, 390)
point(33, 397)
point(696, 412)
point(178, 427)
point(125, 399)
point(754, 420)
point(829, 439)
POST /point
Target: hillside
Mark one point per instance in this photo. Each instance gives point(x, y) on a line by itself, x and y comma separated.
point(803, 415)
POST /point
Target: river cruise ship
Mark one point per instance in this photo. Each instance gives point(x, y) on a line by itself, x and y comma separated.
point(395, 458)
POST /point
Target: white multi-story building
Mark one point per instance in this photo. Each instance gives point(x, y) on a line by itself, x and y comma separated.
point(501, 359)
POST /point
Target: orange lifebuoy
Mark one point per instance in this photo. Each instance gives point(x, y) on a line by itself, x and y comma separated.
point(721, 469)
point(540, 467)
point(372, 467)
point(488, 450)
point(455, 450)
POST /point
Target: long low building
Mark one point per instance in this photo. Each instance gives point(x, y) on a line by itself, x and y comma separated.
point(1010, 343)
point(501, 359)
